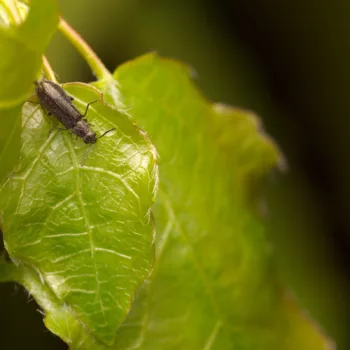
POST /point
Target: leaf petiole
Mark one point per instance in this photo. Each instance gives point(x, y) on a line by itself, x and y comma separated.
point(85, 50)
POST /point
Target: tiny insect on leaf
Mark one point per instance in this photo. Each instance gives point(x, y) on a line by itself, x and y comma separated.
point(59, 104)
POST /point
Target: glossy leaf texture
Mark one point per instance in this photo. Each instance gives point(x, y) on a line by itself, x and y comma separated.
point(213, 285)
point(82, 237)
point(22, 47)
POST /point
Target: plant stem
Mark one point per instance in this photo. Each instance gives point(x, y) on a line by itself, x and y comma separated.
point(48, 70)
point(8, 272)
point(96, 65)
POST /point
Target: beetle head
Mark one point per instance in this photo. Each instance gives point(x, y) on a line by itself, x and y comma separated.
point(90, 137)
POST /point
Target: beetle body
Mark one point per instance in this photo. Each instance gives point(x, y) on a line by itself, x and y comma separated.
point(57, 103)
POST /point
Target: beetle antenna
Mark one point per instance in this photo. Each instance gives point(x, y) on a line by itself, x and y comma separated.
point(106, 132)
point(88, 105)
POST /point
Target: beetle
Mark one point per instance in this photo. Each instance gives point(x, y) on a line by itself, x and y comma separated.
point(59, 104)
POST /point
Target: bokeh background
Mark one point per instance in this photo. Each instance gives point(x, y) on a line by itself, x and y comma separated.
point(289, 61)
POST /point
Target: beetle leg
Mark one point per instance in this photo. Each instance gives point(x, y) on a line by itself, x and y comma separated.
point(88, 105)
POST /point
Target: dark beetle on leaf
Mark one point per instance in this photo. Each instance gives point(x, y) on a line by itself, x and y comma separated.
point(57, 103)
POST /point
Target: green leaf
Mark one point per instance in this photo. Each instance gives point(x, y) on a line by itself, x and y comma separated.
point(213, 285)
point(21, 50)
point(9, 139)
point(84, 235)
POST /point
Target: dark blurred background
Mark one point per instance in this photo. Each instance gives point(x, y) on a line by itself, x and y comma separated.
point(289, 61)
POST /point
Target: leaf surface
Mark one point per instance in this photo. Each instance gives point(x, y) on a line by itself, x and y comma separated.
point(22, 47)
point(88, 230)
point(213, 285)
